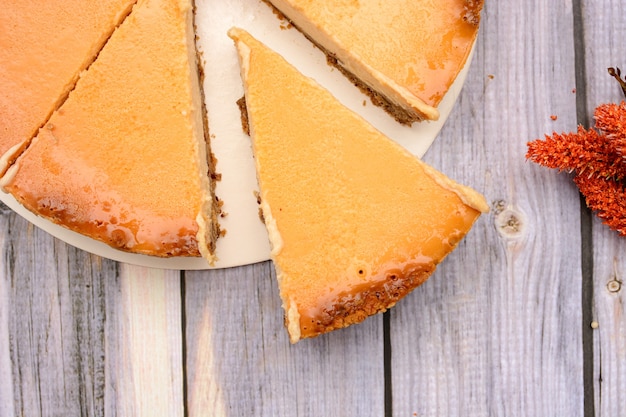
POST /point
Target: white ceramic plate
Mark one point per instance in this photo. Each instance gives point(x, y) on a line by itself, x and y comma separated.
point(246, 239)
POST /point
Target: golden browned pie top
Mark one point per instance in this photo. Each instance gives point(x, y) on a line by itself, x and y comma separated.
point(355, 221)
point(124, 159)
point(408, 51)
point(44, 45)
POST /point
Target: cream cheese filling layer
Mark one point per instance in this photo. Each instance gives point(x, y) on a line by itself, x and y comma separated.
point(203, 218)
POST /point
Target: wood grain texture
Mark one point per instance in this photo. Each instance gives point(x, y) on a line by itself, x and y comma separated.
point(7, 406)
point(604, 28)
point(51, 299)
point(496, 330)
point(144, 346)
point(240, 361)
point(609, 347)
point(84, 336)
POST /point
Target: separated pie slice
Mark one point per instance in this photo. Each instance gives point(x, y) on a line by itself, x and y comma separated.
point(405, 53)
point(124, 160)
point(44, 45)
point(355, 221)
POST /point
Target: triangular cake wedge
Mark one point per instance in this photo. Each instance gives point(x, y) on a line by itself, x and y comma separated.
point(44, 45)
point(404, 53)
point(124, 160)
point(355, 221)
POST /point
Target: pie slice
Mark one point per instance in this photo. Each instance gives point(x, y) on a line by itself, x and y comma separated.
point(44, 45)
point(404, 53)
point(355, 221)
point(124, 159)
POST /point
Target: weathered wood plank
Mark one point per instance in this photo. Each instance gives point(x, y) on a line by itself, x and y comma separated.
point(51, 299)
point(609, 347)
point(7, 407)
point(604, 28)
point(496, 331)
point(79, 337)
point(144, 344)
point(240, 361)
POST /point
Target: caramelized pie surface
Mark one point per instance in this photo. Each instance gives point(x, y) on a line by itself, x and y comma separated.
point(408, 52)
point(124, 159)
point(44, 45)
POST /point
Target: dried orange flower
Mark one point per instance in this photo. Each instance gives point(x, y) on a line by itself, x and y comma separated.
point(611, 119)
point(596, 157)
point(585, 152)
point(607, 199)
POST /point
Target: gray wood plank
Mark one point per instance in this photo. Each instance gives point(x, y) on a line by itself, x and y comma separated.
point(51, 298)
point(609, 346)
point(7, 406)
point(604, 27)
point(240, 361)
point(84, 336)
point(144, 344)
point(496, 330)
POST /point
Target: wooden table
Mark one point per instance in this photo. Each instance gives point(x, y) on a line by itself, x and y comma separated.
point(525, 318)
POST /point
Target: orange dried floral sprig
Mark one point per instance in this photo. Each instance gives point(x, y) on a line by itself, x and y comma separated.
point(596, 157)
point(585, 152)
point(607, 199)
point(611, 119)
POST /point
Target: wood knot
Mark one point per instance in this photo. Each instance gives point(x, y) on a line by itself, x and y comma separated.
point(509, 221)
point(614, 285)
point(498, 206)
